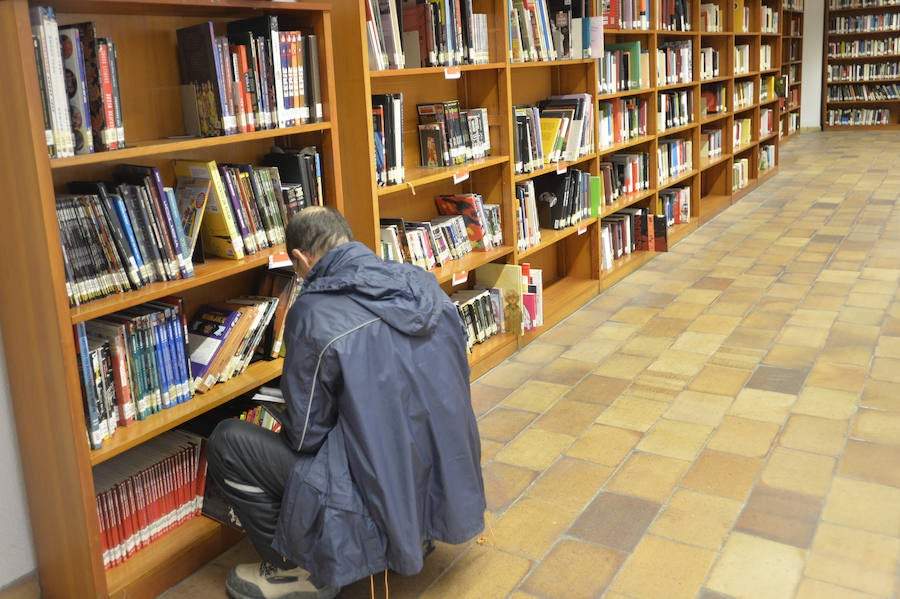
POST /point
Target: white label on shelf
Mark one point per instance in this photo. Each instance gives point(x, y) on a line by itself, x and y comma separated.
point(582, 229)
point(460, 176)
point(452, 73)
point(459, 278)
point(561, 168)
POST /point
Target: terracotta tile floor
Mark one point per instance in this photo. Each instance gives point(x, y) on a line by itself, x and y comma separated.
point(723, 423)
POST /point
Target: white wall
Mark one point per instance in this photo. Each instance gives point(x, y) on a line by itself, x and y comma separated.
point(811, 92)
point(16, 550)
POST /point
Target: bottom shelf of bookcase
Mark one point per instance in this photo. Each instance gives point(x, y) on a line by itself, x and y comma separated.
point(678, 232)
point(486, 355)
point(564, 297)
point(170, 558)
point(711, 205)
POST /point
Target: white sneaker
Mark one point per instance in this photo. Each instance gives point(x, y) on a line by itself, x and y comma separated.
point(265, 581)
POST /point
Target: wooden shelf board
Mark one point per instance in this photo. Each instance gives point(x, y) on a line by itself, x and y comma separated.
point(625, 144)
point(706, 163)
point(678, 232)
point(626, 201)
point(891, 126)
point(224, 8)
point(863, 102)
point(156, 147)
point(561, 299)
point(447, 72)
point(552, 236)
point(681, 178)
point(557, 168)
point(170, 558)
point(139, 431)
point(213, 270)
point(422, 175)
point(713, 204)
point(469, 262)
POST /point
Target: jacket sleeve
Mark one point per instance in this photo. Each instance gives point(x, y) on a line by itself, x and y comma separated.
point(308, 380)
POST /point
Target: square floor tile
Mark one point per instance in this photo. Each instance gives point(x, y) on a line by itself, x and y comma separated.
point(564, 371)
point(826, 403)
point(838, 377)
point(855, 559)
point(877, 427)
point(675, 439)
point(768, 406)
point(482, 571)
point(811, 588)
point(502, 424)
point(485, 397)
point(679, 519)
point(622, 366)
point(791, 356)
point(649, 476)
point(504, 483)
point(780, 380)
point(663, 569)
point(574, 570)
point(569, 417)
point(539, 352)
point(570, 482)
point(880, 395)
point(535, 396)
point(614, 520)
point(871, 462)
point(757, 568)
point(720, 380)
point(780, 515)
point(592, 351)
point(864, 505)
point(814, 434)
point(799, 471)
point(602, 444)
point(700, 408)
point(598, 389)
point(725, 474)
point(534, 449)
point(530, 527)
point(743, 436)
point(632, 412)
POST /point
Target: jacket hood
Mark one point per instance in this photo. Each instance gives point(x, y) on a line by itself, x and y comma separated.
point(400, 294)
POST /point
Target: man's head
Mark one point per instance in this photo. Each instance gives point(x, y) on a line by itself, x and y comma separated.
point(312, 232)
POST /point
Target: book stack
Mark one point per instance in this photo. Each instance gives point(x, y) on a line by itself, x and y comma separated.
point(79, 86)
point(560, 128)
point(254, 77)
point(482, 221)
point(675, 205)
point(146, 492)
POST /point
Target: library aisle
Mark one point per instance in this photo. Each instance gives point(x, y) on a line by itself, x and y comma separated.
point(722, 423)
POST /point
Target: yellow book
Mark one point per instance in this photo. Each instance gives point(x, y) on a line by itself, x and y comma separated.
point(549, 136)
point(220, 233)
point(740, 24)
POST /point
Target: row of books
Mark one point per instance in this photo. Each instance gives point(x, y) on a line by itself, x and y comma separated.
point(547, 30)
point(849, 93)
point(254, 77)
point(142, 360)
point(465, 224)
point(674, 157)
point(740, 174)
point(742, 132)
point(621, 120)
point(858, 116)
point(767, 119)
point(863, 71)
point(710, 142)
point(709, 63)
point(888, 21)
point(450, 135)
point(629, 14)
point(766, 157)
point(481, 310)
point(674, 63)
point(146, 492)
point(630, 230)
point(674, 109)
point(564, 200)
point(528, 230)
point(744, 94)
point(623, 66)
point(79, 86)
point(675, 204)
point(557, 129)
point(844, 4)
point(425, 33)
point(714, 99)
point(864, 48)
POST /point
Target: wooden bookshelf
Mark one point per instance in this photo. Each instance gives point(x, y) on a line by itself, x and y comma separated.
point(36, 319)
point(859, 79)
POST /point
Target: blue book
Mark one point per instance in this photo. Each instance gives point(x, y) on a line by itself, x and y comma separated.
point(183, 243)
point(91, 410)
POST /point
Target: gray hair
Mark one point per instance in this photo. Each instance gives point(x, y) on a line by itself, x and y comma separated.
point(316, 229)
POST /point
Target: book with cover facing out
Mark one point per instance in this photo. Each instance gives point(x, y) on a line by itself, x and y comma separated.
point(200, 77)
point(76, 89)
point(218, 229)
point(191, 195)
point(507, 277)
point(207, 333)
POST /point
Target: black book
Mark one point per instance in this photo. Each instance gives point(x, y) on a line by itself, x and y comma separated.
point(201, 73)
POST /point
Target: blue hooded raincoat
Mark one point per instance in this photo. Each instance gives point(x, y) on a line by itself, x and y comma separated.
point(377, 382)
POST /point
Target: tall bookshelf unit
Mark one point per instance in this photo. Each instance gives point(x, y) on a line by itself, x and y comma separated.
point(37, 321)
point(861, 69)
point(792, 65)
point(571, 258)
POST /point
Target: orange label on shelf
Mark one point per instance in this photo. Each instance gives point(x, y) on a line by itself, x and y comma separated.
point(561, 168)
point(279, 260)
point(582, 229)
point(460, 176)
point(452, 73)
point(459, 278)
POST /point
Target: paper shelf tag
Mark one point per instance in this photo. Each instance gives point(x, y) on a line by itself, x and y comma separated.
point(460, 176)
point(561, 168)
point(582, 229)
point(459, 278)
point(279, 260)
point(452, 73)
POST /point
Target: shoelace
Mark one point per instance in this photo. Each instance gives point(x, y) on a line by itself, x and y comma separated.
point(372, 585)
point(266, 569)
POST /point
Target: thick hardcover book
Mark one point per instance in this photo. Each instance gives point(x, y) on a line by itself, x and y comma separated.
point(241, 217)
point(313, 82)
point(200, 68)
point(76, 89)
point(219, 229)
point(86, 373)
point(113, 58)
point(191, 195)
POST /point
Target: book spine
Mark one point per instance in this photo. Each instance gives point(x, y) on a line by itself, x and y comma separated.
point(73, 61)
point(116, 94)
point(110, 139)
point(45, 100)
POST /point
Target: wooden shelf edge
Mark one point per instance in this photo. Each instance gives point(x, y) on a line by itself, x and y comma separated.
point(170, 558)
point(139, 431)
point(469, 262)
point(490, 353)
point(623, 267)
point(552, 236)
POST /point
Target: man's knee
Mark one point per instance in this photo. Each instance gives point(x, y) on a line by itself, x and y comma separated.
point(224, 441)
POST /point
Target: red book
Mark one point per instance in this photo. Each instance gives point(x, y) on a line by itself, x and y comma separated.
point(106, 88)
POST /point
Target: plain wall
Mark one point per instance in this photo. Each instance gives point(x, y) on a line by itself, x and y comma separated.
point(811, 92)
